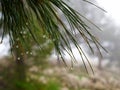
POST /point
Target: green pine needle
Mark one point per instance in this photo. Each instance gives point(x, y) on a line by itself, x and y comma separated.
point(20, 16)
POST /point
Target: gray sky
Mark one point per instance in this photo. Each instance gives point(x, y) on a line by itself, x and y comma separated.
point(4, 46)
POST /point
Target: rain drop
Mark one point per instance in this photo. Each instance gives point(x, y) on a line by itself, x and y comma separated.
point(24, 32)
point(27, 52)
point(17, 46)
point(18, 58)
point(44, 36)
point(26, 23)
point(31, 53)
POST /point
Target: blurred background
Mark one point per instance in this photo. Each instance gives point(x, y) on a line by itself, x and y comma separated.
point(45, 71)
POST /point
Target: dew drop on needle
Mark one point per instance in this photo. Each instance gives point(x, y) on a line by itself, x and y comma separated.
point(18, 58)
point(27, 52)
point(31, 53)
point(17, 46)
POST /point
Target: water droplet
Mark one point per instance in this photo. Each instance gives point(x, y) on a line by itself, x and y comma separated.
point(24, 32)
point(18, 58)
point(31, 53)
point(27, 52)
point(60, 56)
point(26, 23)
point(44, 36)
point(17, 46)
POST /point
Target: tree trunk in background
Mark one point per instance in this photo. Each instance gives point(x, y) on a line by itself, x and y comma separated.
point(20, 68)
